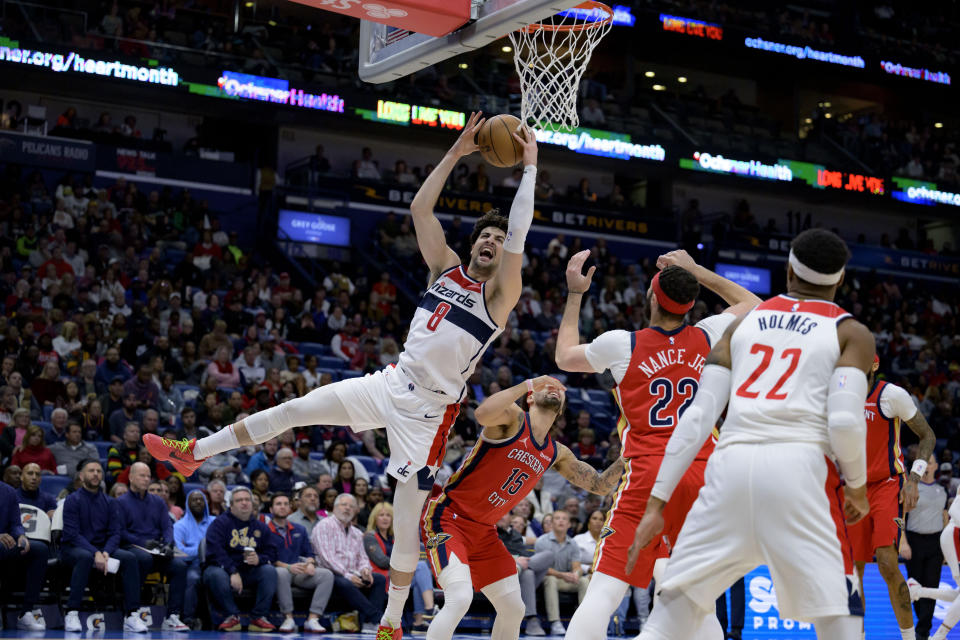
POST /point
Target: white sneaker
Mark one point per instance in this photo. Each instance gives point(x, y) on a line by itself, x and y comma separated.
point(288, 626)
point(914, 587)
point(134, 623)
point(534, 628)
point(557, 628)
point(173, 623)
point(31, 621)
point(72, 621)
point(312, 625)
point(369, 627)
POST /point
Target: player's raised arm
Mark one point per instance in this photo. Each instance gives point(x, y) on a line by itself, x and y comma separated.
point(739, 299)
point(846, 424)
point(582, 475)
point(507, 283)
point(570, 354)
point(433, 243)
point(501, 410)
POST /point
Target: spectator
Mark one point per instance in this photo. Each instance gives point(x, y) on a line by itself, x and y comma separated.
point(260, 486)
point(188, 531)
point(48, 389)
point(143, 388)
point(226, 464)
point(214, 340)
point(281, 476)
point(123, 416)
point(91, 539)
point(12, 437)
point(70, 451)
point(216, 497)
point(29, 493)
point(565, 574)
point(147, 533)
point(378, 541)
point(240, 552)
point(532, 570)
point(170, 401)
point(11, 476)
point(122, 455)
point(339, 547)
point(249, 366)
point(58, 426)
point(306, 514)
point(296, 566)
point(592, 114)
point(305, 468)
point(222, 370)
point(345, 478)
point(34, 450)
point(20, 557)
point(263, 459)
point(112, 367)
point(366, 168)
point(67, 345)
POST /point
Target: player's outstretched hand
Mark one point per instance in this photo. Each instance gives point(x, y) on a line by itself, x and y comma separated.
point(528, 142)
point(467, 142)
point(856, 505)
point(909, 495)
point(649, 528)
point(576, 281)
point(679, 258)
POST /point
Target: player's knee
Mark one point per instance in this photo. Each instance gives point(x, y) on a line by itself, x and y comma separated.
point(511, 607)
point(404, 561)
point(887, 564)
point(458, 596)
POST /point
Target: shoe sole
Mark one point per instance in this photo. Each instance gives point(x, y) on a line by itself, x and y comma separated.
point(235, 627)
point(261, 629)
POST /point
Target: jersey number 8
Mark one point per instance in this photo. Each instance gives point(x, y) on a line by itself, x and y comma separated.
point(434, 321)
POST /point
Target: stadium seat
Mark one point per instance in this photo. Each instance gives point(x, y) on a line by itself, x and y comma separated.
point(103, 448)
point(331, 362)
point(54, 484)
point(192, 486)
point(349, 373)
point(313, 348)
point(370, 464)
point(317, 455)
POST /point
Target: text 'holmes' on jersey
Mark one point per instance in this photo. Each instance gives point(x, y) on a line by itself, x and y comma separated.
point(450, 330)
point(783, 354)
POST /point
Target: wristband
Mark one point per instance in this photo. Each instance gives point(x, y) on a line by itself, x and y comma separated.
point(919, 467)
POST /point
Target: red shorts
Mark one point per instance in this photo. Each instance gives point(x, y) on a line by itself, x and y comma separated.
point(881, 526)
point(475, 544)
point(610, 557)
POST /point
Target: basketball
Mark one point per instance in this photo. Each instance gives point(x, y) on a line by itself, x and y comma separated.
point(496, 141)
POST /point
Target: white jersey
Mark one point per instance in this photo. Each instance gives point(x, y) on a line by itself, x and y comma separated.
point(783, 354)
point(450, 330)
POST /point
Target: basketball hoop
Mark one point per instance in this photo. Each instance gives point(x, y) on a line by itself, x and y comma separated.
point(550, 57)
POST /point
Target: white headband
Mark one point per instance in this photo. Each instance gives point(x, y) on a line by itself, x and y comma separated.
point(813, 277)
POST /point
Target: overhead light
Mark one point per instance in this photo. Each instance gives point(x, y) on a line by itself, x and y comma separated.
point(506, 49)
point(681, 79)
point(463, 65)
point(659, 87)
point(272, 23)
point(827, 105)
point(828, 115)
point(649, 74)
point(808, 120)
point(938, 125)
point(248, 5)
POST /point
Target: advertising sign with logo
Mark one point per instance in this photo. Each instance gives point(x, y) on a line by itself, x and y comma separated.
point(313, 228)
point(47, 151)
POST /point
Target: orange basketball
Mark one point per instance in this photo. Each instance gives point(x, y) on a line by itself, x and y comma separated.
point(496, 141)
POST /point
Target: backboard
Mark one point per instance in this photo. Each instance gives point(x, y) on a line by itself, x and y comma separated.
point(388, 53)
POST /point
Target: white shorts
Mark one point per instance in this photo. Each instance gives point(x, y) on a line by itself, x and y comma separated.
point(776, 504)
point(417, 421)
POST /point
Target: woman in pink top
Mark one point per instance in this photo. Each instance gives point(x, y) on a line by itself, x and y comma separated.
point(222, 370)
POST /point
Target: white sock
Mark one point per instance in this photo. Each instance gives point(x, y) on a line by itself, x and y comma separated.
point(219, 442)
point(908, 634)
point(396, 599)
point(941, 633)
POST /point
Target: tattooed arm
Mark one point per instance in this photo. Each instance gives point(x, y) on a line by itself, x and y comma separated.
point(581, 474)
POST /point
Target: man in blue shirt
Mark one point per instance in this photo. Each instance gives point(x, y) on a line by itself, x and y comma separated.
point(239, 553)
point(91, 539)
point(147, 525)
point(18, 557)
point(296, 565)
point(30, 496)
point(188, 532)
point(281, 476)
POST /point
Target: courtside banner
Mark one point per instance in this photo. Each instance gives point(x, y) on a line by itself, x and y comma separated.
point(762, 619)
point(48, 151)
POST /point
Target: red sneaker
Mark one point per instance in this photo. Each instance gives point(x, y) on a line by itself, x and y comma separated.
point(230, 624)
point(261, 625)
point(178, 452)
point(388, 633)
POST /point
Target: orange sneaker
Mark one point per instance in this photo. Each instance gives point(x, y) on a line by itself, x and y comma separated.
point(178, 452)
point(388, 633)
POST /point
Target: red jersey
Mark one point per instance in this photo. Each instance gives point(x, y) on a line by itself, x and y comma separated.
point(660, 382)
point(496, 476)
point(884, 457)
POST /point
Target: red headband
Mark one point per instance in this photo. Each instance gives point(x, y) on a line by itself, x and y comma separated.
point(669, 304)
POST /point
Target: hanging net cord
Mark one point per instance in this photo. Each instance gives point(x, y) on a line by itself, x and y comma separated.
point(550, 58)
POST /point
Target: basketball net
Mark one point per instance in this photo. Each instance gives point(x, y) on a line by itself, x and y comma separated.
point(550, 58)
